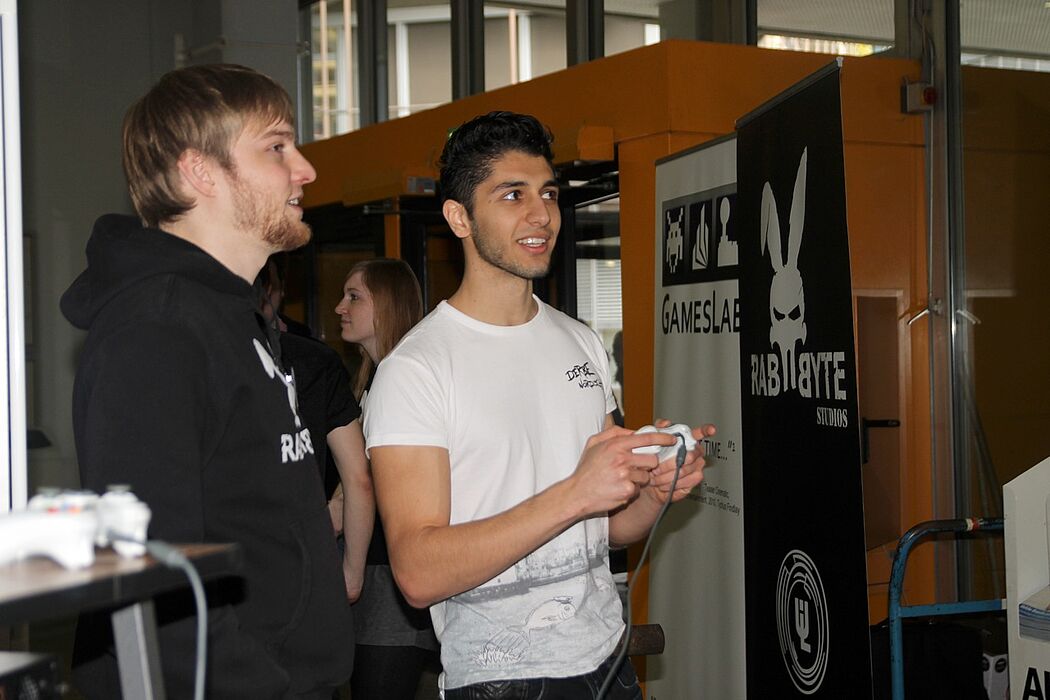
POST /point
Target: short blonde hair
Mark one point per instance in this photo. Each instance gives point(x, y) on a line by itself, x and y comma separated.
point(199, 107)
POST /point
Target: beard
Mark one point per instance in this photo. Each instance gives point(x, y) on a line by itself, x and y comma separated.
point(491, 252)
point(255, 214)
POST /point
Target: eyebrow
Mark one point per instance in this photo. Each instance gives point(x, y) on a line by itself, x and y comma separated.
point(284, 133)
point(512, 184)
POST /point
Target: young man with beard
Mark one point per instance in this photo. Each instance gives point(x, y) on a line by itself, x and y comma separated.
point(181, 392)
point(497, 467)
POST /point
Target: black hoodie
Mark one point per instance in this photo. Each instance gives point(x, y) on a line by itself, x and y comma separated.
point(177, 395)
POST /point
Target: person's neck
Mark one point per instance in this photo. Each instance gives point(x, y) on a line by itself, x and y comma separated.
point(371, 347)
point(232, 248)
point(498, 299)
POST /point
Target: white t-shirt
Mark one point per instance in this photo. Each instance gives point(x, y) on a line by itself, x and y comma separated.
point(514, 406)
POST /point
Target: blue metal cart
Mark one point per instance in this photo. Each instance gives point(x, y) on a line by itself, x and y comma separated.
point(898, 612)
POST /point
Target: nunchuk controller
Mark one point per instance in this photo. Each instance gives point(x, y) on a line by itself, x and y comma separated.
point(122, 521)
point(665, 452)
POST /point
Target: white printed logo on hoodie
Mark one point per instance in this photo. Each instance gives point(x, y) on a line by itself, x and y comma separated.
point(294, 446)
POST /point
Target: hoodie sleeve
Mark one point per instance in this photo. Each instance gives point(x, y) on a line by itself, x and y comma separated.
point(141, 409)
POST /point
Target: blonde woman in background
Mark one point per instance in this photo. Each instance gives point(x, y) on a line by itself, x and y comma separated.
point(381, 302)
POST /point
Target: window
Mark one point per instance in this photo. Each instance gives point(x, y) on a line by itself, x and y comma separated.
point(333, 68)
point(523, 40)
point(848, 28)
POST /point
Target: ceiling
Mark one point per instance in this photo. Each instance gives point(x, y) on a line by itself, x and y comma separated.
point(1010, 27)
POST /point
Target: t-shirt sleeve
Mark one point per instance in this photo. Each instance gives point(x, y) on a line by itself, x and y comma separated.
point(610, 400)
point(143, 420)
point(340, 405)
point(601, 361)
point(406, 406)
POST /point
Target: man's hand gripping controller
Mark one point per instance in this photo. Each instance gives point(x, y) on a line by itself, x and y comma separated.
point(666, 452)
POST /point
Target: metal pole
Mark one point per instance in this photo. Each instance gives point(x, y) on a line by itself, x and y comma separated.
point(348, 43)
point(960, 332)
point(468, 47)
point(305, 97)
point(138, 653)
point(326, 102)
point(946, 284)
point(584, 30)
point(372, 61)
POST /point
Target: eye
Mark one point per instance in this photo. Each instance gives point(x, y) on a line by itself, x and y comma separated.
point(513, 195)
point(551, 195)
point(795, 314)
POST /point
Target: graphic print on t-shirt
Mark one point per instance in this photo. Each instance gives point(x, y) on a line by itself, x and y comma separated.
point(510, 644)
point(584, 376)
point(562, 558)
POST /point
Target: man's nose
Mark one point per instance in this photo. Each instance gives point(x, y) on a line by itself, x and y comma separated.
point(302, 170)
point(538, 212)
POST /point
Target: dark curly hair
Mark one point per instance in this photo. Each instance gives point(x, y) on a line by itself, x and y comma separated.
point(472, 148)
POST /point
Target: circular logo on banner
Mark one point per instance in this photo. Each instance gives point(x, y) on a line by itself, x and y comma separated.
point(802, 621)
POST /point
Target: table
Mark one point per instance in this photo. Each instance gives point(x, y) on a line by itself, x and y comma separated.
point(38, 589)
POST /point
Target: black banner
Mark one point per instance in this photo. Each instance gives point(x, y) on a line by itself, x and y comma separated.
point(805, 578)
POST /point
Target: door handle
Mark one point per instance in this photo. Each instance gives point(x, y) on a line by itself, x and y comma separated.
point(865, 425)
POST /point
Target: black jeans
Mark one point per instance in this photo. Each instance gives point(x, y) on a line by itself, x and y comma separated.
point(388, 673)
point(623, 687)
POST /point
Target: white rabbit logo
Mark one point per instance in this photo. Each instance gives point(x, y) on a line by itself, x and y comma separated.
point(274, 372)
point(787, 299)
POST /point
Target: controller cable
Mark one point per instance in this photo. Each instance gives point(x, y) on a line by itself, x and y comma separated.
point(679, 461)
point(171, 557)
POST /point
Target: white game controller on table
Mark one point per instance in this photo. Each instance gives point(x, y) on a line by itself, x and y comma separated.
point(67, 525)
point(68, 538)
point(665, 452)
point(122, 521)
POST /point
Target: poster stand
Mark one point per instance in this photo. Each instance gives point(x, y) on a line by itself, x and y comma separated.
point(1026, 501)
point(754, 296)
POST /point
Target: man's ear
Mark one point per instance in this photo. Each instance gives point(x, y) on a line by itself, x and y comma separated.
point(196, 171)
point(457, 217)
